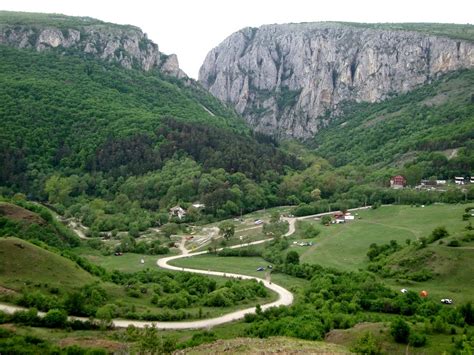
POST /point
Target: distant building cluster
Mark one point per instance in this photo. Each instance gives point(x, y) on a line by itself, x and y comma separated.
point(399, 182)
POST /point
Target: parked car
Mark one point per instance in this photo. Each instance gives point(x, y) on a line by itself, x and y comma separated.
point(258, 221)
point(403, 290)
point(447, 301)
point(261, 268)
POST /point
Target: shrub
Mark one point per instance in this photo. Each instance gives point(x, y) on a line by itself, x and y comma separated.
point(400, 330)
point(55, 318)
point(308, 230)
point(292, 257)
point(437, 234)
point(417, 340)
point(467, 311)
point(325, 220)
point(367, 345)
point(454, 243)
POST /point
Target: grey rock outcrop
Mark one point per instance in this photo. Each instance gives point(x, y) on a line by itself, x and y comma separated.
point(126, 45)
point(290, 79)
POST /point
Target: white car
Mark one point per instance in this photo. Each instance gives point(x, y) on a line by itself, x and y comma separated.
point(403, 290)
point(447, 301)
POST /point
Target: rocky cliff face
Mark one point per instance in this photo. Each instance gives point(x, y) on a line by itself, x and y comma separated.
point(126, 45)
point(285, 79)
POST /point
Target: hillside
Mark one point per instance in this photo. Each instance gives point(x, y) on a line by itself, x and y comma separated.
point(433, 118)
point(290, 80)
point(92, 124)
point(22, 263)
point(33, 222)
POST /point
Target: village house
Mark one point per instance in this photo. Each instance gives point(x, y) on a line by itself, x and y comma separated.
point(339, 218)
point(177, 211)
point(398, 182)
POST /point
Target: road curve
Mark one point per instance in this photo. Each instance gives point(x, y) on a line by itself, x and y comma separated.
point(285, 297)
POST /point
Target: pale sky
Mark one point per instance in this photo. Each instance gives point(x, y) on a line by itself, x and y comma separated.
point(191, 29)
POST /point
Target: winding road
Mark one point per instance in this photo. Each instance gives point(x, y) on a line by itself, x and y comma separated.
point(285, 297)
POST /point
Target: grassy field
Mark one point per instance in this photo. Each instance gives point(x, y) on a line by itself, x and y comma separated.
point(128, 262)
point(344, 246)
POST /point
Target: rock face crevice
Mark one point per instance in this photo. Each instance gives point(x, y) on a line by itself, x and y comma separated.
point(284, 79)
point(126, 45)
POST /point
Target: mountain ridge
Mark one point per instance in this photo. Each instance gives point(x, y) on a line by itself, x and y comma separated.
point(123, 44)
point(289, 80)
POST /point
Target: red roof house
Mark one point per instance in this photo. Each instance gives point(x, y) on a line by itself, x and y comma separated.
point(398, 182)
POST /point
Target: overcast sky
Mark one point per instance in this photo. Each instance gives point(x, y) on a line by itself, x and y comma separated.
point(192, 28)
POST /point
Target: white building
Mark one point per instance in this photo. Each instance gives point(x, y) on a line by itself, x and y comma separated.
point(459, 180)
point(177, 211)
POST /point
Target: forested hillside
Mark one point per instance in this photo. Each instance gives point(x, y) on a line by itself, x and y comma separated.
point(74, 126)
point(430, 124)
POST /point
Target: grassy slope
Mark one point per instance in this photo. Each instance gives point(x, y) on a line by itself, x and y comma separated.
point(345, 246)
point(437, 116)
point(24, 263)
point(453, 269)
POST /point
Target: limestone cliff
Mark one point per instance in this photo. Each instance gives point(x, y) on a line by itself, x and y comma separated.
point(126, 45)
point(290, 79)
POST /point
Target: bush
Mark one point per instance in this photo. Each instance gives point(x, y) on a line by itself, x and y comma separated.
point(437, 234)
point(55, 318)
point(367, 345)
point(467, 311)
point(325, 220)
point(417, 340)
point(292, 257)
point(308, 230)
point(454, 243)
point(400, 330)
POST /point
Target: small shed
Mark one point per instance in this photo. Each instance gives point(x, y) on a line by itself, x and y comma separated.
point(348, 216)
